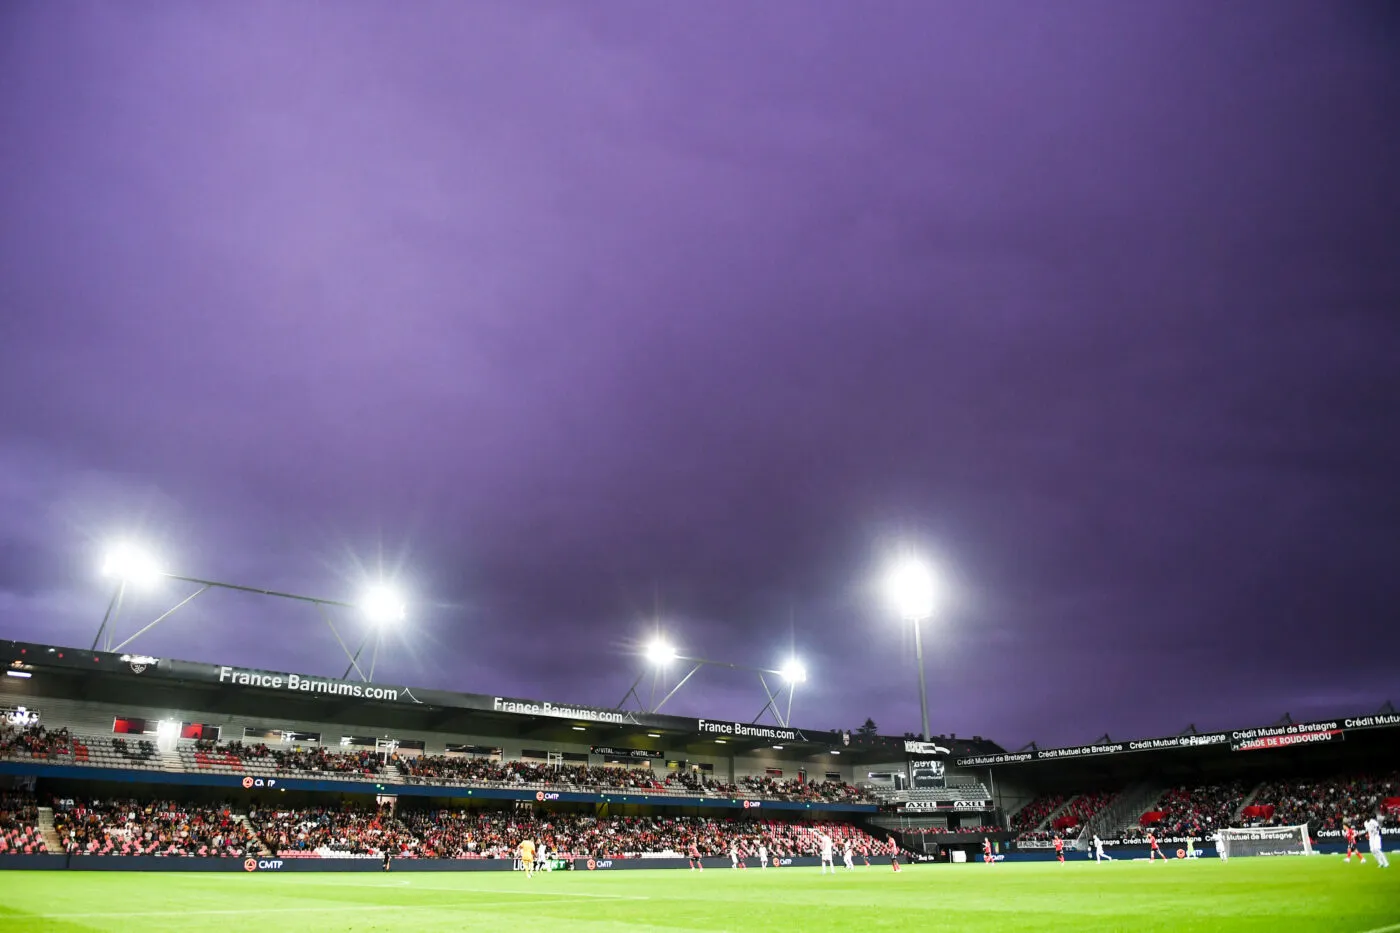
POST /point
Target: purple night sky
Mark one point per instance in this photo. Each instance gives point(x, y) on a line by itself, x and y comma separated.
point(563, 310)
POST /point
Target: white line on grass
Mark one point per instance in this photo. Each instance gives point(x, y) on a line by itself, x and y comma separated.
point(429, 887)
point(118, 914)
point(533, 893)
point(1389, 929)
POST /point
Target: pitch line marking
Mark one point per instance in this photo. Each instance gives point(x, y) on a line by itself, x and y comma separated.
point(117, 915)
point(1390, 929)
point(532, 892)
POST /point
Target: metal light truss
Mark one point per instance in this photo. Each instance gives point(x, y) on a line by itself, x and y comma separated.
point(786, 686)
point(114, 606)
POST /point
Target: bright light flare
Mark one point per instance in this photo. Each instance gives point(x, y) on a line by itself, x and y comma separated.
point(659, 652)
point(911, 589)
point(793, 672)
point(384, 605)
point(132, 565)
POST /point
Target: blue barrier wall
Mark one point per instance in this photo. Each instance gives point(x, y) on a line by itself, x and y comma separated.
point(1128, 853)
point(276, 865)
point(34, 862)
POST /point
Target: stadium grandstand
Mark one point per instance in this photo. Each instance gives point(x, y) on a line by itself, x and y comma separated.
point(111, 755)
point(123, 758)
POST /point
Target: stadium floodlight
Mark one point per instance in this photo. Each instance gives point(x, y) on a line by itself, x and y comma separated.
point(793, 672)
point(167, 734)
point(384, 605)
point(127, 563)
point(659, 652)
point(912, 591)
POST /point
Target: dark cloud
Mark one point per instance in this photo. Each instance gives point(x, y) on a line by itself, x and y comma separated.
point(567, 310)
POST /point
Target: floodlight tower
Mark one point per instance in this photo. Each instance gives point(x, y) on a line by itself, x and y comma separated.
point(911, 590)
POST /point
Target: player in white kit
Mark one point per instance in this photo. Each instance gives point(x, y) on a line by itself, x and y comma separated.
point(828, 859)
point(763, 855)
point(1373, 830)
point(847, 856)
point(1098, 849)
point(1220, 846)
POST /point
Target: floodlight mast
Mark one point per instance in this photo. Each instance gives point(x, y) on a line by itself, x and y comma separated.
point(911, 590)
point(129, 566)
point(659, 654)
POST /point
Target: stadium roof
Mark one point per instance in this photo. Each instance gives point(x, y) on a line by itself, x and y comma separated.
point(138, 680)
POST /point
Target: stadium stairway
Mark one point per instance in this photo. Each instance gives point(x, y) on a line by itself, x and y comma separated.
point(1122, 812)
point(1247, 801)
point(1046, 823)
point(47, 830)
point(243, 818)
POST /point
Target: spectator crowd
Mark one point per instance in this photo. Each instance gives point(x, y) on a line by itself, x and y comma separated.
point(1328, 803)
point(1034, 813)
point(37, 741)
point(34, 741)
point(169, 828)
point(163, 828)
point(1193, 811)
point(19, 822)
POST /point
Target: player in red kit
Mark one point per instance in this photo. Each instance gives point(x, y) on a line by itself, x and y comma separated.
point(695, 863)
point(1059, 848)
point(894, 854)
point(1154, 851)
point(987, 851)
point(1350, 832)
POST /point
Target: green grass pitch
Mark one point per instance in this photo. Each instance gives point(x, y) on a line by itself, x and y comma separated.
point(1275, 895)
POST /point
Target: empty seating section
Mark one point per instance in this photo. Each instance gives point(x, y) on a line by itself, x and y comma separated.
point(968, 790)
point(1034, 813)
point(19, 825)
